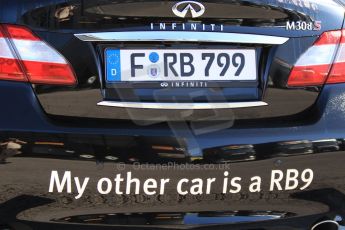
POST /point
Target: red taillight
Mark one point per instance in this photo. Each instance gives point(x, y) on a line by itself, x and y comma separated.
point(21, 33)
point(24, 56)
point(324, 62)
point(9, 65)
point(337, 74)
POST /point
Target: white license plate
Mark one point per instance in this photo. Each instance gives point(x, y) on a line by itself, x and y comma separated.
point(180, 65)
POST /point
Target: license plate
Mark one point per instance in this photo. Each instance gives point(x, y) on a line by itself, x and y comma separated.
point(124, 65)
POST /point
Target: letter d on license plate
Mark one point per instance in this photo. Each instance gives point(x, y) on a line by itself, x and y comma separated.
point(180, 65)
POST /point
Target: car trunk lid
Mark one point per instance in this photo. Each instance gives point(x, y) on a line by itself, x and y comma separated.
point(301, 23)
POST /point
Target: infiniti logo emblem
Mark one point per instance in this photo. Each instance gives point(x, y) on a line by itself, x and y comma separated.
point(181, 9)
point(164, 84)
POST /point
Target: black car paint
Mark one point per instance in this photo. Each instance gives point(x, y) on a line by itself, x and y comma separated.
point(26, 174)
point(275, 62)
point(57, 126)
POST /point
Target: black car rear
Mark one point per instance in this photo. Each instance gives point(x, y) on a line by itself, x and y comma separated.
point(121, 25)
point(224, 114)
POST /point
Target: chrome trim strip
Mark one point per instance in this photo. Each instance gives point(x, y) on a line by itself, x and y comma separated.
point(182, 36)
point(181, 106)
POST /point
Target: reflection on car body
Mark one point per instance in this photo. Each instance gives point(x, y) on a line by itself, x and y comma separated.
point(172, 114)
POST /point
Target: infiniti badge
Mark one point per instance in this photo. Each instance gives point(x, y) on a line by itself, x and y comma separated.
point(164, 84)
point(181, 9)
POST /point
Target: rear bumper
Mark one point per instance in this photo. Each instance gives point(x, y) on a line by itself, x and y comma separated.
point(96, 148)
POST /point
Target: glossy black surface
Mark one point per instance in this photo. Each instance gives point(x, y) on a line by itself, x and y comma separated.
point(48, 128)
point(90, 148)
point(265, 16)
point(56, 22)
point(275, 64)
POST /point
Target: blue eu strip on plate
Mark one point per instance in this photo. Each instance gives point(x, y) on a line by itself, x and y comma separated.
point(113, 64)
